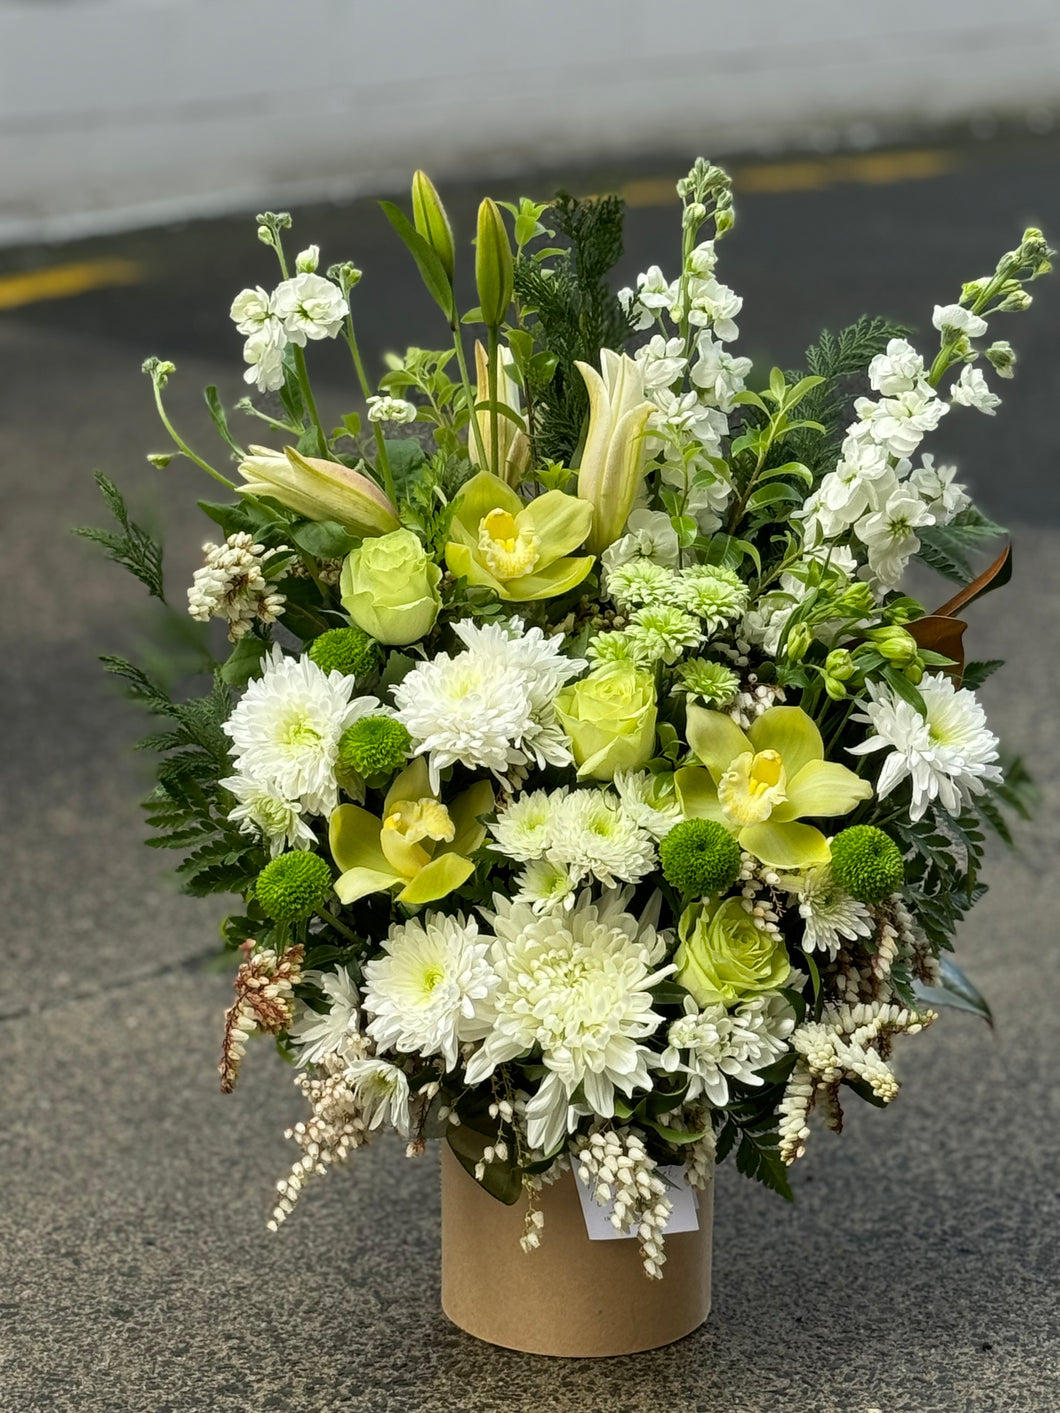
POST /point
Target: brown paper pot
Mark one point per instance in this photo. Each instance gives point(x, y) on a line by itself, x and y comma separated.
point(571, 1297)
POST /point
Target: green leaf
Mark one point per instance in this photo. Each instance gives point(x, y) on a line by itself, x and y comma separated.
point(772, 495)
point(501, 1180)
point(244, 661)
point(431, 269)
point(955, 990)
point(220, 421)
point(135, 549)
point(790, 468)
point(902, 687)
point(323, 539)
point(676, 1136)
point(231, 518)
point(976, 673)
point(407, 458)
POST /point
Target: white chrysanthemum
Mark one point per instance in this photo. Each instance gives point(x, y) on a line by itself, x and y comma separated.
point(523, 829)
point(490, 707)
point(263, 810)
point(285, 731)
point(713, 593)
point(714, 1046)
point(617, 647)
point(650, 801)
point(381, 1091)
point(310, 307)
point(830, 915)
point(593, 836)
point(545, 884)
point(949, 756)
point(639, 582)
point(318, 1034)
point(575, 986)
point(664, 632)
point(430, 991)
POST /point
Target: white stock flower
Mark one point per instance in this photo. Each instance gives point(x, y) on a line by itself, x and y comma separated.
point(712, 304)
point(310, 307)
point(654, 293)
point(285, 730)
point(649, 535)
point(899, 370)
point(575, 986)
point(829, 915)
point(662, 361)
point(972, 390)
point(307, 260)
point(251, 310)
point(381, 1091)
point(702, 260)
point(715, 1047)
point(899, 423)
point(391, 409)
point(263, 353)
point(717, 372)
point(889, 534)
point(948, 756)
point(935, 485)
point(954, 318)
point(594, 837)
point(316, 1034)
point(430, 992)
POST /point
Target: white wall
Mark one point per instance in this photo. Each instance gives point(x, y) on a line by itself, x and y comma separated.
point(122, 112)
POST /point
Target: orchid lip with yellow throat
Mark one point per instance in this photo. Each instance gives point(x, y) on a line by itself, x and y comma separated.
point(521, 550)
point(759, 783)
point(420, 847)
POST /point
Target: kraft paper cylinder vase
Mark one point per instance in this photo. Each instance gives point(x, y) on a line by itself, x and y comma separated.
point(572, 1297)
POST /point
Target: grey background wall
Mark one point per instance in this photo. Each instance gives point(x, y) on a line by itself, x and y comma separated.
point(125, 112)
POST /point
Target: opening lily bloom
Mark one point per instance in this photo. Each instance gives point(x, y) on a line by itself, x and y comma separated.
point(420, 847)
point(520, 551)
point(758, 783)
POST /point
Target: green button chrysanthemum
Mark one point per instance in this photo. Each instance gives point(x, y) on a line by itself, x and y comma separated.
point(700, 857)
point(293, 886)
point(374, 745)
point(867, 863)
point(350, 651)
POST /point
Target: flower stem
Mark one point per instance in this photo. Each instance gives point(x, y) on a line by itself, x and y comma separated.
point(493, 356)
point(310, 400)
point(182, 445)
point(334, 922)
point(366, 391)
point(458, 344)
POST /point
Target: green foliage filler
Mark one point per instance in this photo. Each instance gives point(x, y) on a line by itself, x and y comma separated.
point(374, 745)
point(700, 857)
point(351, 651)
point(867, 863)
point(293, 886)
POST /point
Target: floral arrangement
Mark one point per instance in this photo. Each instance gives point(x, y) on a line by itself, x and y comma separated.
point(593, 793)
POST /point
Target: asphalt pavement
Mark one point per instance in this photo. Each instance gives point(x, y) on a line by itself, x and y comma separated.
point(917, 1270)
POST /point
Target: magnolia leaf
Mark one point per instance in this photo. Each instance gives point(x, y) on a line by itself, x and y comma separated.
point(956, 991)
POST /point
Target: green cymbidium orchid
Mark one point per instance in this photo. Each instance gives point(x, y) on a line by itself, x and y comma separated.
point(759, 783)
point(521, 550)
point(420, 847)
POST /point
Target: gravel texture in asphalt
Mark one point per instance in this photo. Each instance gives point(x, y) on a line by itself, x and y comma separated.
point(917, 1270)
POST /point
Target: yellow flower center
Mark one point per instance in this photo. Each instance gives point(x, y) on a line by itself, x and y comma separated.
point(752, 787)
point(409, 822)
point(507, 549)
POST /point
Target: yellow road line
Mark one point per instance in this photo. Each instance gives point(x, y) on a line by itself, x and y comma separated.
point(62, 281)
point(869, 168)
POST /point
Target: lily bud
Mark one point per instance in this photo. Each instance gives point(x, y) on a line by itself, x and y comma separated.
point(613, 460)
point(895, 644)
point(513, 450)
point(839, 664)
point(319, 490)
point(493, 264)
point(431, 222)
point(799, 642)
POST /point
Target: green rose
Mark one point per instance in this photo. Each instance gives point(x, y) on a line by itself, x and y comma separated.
point(390, 588)
point(724, 957)
point(610, 719)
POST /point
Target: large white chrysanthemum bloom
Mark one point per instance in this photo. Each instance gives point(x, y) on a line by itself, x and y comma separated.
point(431, 989)
point(316, 1035)
point(947, 756)
point(714, 1046)
point(829, 915)
point(285, 730)
point(594, 837)
point(523, 829)
point(574, 985)
point(490, 707)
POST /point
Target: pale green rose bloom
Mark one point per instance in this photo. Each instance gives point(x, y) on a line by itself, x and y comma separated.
point(390, 588)
point(610, 719)
point(723, 958)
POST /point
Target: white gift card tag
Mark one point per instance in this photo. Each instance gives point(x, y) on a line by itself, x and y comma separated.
point(684, 1217)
